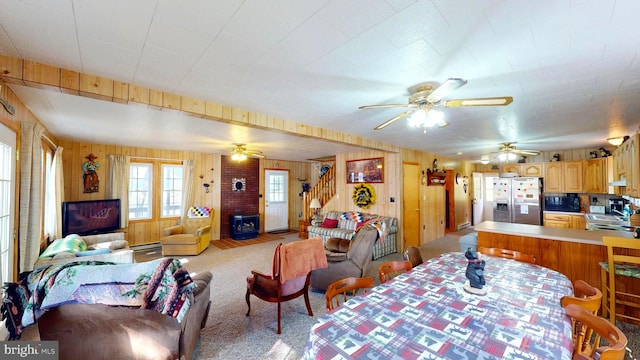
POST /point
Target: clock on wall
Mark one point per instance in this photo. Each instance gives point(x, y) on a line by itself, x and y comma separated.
point(238, 184)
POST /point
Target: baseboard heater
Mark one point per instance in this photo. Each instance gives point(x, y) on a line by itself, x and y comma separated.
point(464, 225)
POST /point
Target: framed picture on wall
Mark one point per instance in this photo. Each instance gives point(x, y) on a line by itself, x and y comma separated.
point(365, 171)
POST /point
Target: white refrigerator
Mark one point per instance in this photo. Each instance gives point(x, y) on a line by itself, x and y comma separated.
point(518, 200)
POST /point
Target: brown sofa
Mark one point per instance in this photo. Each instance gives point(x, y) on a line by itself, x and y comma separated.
point(96, 331)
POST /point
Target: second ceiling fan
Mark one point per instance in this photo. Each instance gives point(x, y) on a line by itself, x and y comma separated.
point(425, 98)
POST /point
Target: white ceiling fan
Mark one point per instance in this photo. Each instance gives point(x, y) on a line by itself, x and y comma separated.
point(423, 101)
point(240, 152)
point(508, 152)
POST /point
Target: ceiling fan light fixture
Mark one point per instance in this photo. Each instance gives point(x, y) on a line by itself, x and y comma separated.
point(506, 156)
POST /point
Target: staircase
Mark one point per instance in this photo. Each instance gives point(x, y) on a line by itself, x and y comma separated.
point(324, 191)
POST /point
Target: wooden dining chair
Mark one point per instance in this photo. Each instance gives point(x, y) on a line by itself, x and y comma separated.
point(588, 346)
point(584, 295)
point(391, 269)
point(623, 255)
point(588, 298)
point(508, 254)
point(412, 254)
point(343, 286)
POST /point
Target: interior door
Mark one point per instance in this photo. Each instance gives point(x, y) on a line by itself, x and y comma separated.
point(276, 204)
point(411, 204)
point(7, 199)
point(478, 198)
point(488, 195)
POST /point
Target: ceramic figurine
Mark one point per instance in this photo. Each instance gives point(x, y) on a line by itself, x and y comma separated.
point(604, 152)
point(556, 157)
point(475, 273)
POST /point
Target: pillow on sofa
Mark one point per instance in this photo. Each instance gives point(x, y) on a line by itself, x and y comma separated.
point(71, 243)
point(329, 223)
point(113, 245)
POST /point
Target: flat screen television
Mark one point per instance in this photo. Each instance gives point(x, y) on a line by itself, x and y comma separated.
point(90, 217)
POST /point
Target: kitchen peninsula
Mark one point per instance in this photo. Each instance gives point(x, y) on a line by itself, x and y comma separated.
point(575, 253)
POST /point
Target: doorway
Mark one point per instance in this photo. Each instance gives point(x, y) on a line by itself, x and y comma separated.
point(411, 204)
point(276, 204)
point(450, 202)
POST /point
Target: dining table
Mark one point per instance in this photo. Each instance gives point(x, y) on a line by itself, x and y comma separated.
point(426, 313)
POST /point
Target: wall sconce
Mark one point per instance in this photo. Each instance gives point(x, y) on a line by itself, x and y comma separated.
point(616, 141)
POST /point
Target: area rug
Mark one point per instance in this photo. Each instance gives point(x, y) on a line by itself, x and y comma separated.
point(225, 244)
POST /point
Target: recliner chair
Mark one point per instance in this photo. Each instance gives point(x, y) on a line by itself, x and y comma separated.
point(346, 258)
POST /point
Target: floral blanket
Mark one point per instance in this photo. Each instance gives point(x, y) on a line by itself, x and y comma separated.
point(162, 285)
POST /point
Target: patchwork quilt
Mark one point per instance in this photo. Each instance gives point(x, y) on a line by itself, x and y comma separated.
point(162, 285)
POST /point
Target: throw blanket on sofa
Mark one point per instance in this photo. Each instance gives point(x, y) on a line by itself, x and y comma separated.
point(380, 225)
point(162, 285)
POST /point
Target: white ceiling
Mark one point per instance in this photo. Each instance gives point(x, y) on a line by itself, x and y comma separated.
point(572, 67)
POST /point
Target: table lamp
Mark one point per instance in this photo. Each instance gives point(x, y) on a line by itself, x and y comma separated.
point(315, 205)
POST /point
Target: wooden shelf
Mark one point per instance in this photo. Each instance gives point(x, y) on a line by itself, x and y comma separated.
point(436, 177)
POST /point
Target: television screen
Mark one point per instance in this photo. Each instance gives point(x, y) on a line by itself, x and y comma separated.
point(90, 217)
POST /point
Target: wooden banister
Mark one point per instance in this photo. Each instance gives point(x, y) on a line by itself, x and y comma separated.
point(324, 190)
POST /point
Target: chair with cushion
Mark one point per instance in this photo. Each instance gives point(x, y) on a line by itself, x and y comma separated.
point(508, 254)
point(191, 237)
point(391, 269)
point(342, 286)
point(619, 300)
point(589, 330)
point(291, 271)
point(346, 258)
point(412, 254)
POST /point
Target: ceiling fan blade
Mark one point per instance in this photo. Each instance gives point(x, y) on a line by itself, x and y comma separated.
point(392, 120)
point(385, 106)
point(527, 152)
point(493, 101)
point(445, 89)
point(257, 154)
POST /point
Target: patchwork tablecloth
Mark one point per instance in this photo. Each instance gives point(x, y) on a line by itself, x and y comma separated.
point(426, 314)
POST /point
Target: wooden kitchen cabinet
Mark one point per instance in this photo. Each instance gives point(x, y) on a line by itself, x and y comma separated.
point(577, 222)
point(559, 221)
point(563, 176)
point(595, 176)
point(511, 168)
point(625, 165)
point(553, 177)
point(531, 170)
point(565, 221)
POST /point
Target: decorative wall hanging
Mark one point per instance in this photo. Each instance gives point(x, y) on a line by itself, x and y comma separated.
point(90, 174)
point(364, 195)
point(365, 170)
point(238, 184)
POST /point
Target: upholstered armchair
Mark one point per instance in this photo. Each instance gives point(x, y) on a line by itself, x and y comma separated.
point(346, 258)
point(191, 237)
point(289, 277)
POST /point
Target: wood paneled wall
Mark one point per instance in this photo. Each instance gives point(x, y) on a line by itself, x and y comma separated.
point(140, 232)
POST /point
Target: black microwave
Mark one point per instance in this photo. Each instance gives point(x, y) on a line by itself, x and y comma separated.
point(568, 202)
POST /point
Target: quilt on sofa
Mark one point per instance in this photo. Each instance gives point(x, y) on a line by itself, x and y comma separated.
point(349, 221)
point(162, 285)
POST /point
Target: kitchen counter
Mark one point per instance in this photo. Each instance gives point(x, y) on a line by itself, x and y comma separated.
point(592, 237)
point(575, 253)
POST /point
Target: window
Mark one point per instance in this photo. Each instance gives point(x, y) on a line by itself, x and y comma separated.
point(171, 190)
point(155, 189)
point(276, 188)
point(140, 188)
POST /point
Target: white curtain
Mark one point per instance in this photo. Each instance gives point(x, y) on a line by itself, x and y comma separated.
point(119, 185)
point(188, 169)
point(54, 196)
point(31, 195)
